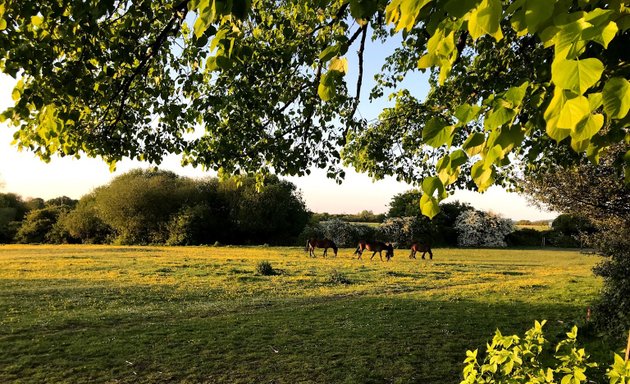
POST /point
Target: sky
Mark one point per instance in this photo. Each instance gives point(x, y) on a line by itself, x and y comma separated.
point(24, 174)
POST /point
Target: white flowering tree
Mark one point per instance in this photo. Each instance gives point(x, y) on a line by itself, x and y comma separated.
point(402, 231)
point(341, 232)
point(482, 229)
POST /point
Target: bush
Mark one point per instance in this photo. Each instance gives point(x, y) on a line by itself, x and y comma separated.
point(572, 225)
point(612, 310)
point(264, 268)
point(511, 359)
point(482, 229)
point(337, 277)
point(84, 225)
point(525, 237)
point(40, 226)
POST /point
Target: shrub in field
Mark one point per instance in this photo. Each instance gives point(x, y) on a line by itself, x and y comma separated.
point(264, 268)
point(512, 359)
point(337, 277)
point(482, 229)
point(612, 309)
point(525, 237)
point(84, 225)
point(40, 226)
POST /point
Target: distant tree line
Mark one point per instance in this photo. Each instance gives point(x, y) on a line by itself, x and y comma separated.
point(364, 216)
point(160, 207)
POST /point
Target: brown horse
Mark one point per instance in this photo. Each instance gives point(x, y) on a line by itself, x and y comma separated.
point(376, 246)
point(420, 247)
point(311, 244)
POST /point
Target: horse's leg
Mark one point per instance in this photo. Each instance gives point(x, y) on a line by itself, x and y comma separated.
point(380, 254)
point(325, 251)
point(423, 253)
point(373, 255)
point(412, 255)
point(430, 254)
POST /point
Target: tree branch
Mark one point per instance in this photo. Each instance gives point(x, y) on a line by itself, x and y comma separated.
point(180, 11)
point(355, 105)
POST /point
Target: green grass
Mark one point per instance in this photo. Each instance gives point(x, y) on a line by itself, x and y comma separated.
point(536, 227)
point(86, 314)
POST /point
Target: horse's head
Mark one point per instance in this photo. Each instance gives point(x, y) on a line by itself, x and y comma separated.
point(390, 251)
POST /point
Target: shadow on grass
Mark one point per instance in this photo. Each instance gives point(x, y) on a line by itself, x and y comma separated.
point(360, 339)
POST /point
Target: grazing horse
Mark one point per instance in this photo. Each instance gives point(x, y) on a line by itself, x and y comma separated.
point(311, 244)
point(376, 246)
point(420, 247)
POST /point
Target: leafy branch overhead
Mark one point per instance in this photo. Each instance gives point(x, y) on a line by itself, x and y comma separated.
point(258, 86)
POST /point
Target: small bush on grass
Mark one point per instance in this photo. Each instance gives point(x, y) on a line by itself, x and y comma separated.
point(264, 268)
point(337, 277)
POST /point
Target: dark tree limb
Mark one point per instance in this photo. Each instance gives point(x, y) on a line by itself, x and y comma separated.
point(172, 26)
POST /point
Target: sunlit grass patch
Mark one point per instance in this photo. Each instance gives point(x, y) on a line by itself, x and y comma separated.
point(204, 314)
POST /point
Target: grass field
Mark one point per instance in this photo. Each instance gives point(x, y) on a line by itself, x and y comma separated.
point(103, 314)
point(536, 227)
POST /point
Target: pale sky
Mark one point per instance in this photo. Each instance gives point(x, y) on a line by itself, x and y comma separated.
point(24, 174)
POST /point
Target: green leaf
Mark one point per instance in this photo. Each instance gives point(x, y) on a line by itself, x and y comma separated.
point(552, 114)
point(206, 15)
point(588, 128)
point(576, 75)
point(437, 133)
point(429, 206)
point(574, 111)
point(497, 117)
point(569, 41)
point(486, 19)
point(482, 176)
point(603, 30)
point(466, 112)
point(448, 166)
point(459, 8)
point(474, 143)
point(616, 97)
point(403, 13)
point(514, 96)
point(430, 185)
point(458, 158)
point(326, 89)
point(494, 156)
point(428, 202)
point(363, 9)
point(329, 53)
point(339, 64)
point(537, 13)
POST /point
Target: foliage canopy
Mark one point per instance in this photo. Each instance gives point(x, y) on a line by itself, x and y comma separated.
point(246, 86)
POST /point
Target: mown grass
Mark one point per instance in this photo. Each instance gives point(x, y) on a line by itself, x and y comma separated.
point(103, 314)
